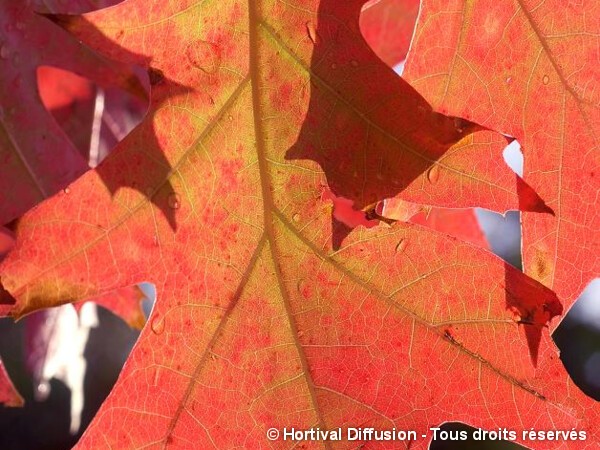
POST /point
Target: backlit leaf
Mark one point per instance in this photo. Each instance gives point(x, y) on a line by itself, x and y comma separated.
point(259, 322)
point(520, 67)
point(387, 26)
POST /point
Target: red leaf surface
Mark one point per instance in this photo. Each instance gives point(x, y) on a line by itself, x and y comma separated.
point(520, 67)
point(259, 322)
point(70, 99)
point(8, 394)
point(387, 26)
point(60, 88)
point(35, 165)
point(461, 223)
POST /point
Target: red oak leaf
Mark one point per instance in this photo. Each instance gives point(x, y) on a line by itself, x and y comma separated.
point(259, 322)
point(529, 70)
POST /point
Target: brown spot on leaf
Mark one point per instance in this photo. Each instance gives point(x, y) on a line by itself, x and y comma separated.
point(541, 265)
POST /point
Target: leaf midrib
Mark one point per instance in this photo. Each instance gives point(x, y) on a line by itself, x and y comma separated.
point(268, 203)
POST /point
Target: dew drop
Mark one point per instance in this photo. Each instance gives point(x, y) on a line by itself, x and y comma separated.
point(67, 190)
point(303, 288)
point(300, 333)
point(401, 246)
point(434, 174)
point(546, 79)
point(174, 201)
point(354, 63)
point(296, 217)
point(158, 325)
point(312, 33)
point(508, 80)
point(333, 66)
point(4, 51)
point(204, 55)
point(459, 124)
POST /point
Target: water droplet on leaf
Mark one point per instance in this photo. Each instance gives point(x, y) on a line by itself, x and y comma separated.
point(296, 217)
point(204, 55)
point(459, 124)
point(401, 246)
point(174, 201)
point(333, 66)
point(303, 288)
point(4, 51)
point(546, 79)
point(312, 33)
point(67, 190)
point(434, 174)
point(158, 325)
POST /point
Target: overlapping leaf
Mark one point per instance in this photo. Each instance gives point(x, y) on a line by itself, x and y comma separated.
point(37, 158)
point(258, 322)
point(387, 26)
point(70, 6)
point(530, 70)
